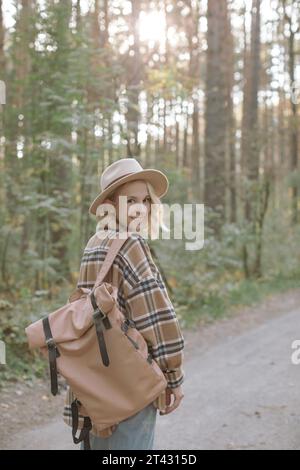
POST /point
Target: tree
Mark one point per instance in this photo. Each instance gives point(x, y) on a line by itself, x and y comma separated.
point(216, 108)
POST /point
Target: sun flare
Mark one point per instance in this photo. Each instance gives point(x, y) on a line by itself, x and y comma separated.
point(152, 27)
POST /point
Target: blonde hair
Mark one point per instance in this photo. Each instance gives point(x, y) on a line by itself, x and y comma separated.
point(156, 214)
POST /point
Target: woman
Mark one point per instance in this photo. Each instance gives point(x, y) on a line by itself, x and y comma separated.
point(142, 294)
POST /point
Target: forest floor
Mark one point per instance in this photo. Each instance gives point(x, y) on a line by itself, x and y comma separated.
point(241, 389)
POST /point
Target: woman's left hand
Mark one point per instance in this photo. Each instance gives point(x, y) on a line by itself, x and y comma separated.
point(178, 395)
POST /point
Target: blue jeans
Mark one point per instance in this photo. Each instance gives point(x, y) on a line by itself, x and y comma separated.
point(134, 433)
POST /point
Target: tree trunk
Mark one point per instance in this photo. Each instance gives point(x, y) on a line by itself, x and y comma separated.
point(216, 110)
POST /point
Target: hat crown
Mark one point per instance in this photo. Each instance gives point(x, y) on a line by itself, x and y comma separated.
point(119, 169)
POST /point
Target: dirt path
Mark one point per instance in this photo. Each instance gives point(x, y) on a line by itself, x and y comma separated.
point(241, 390)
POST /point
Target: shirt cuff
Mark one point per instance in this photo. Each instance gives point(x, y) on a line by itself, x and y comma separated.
point(175, 377)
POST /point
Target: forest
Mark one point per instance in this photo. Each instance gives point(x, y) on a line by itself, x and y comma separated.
point(206, 91)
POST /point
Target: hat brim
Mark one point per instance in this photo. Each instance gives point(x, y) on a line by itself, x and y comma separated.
point(158, 180)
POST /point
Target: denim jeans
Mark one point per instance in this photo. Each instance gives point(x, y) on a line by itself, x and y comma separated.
point(134, 433)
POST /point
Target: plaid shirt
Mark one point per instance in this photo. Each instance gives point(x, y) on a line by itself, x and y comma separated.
point(142, 297)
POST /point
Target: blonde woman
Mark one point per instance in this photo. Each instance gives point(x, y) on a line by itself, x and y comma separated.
point(142, 294)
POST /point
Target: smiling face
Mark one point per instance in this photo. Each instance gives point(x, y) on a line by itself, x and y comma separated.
point(137, 200)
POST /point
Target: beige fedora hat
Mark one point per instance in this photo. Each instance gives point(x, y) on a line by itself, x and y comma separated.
point(123, 171)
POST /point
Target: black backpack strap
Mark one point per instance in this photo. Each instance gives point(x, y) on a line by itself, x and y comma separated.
point(85, 431)
point(53, 354)
point(101, 321)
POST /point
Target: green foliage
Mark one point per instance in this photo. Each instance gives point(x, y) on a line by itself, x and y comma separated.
point(15, 315)
point(207, 283)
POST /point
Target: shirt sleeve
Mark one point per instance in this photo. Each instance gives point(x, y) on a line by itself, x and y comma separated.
point(82, 277)
point(88, 268)
point(148, 304)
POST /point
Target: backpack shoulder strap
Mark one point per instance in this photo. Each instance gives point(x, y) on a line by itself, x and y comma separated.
point(113, 250)
point(101, 321)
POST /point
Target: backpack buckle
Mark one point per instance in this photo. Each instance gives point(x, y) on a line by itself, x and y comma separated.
point(50, 343)
point(98, 314)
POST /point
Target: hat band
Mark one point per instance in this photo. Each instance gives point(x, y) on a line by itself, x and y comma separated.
point(112, 182)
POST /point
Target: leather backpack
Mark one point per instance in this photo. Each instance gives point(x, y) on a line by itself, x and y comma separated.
point(103, 357)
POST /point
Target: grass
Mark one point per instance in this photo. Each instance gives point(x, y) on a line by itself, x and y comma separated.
point(246, 292)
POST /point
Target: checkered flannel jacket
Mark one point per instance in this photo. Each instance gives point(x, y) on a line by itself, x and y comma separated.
point(142, 297)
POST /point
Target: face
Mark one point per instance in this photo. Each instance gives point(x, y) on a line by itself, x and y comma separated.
point(137, 200)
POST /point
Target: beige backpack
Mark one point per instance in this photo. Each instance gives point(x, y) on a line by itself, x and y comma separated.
point(103, 357)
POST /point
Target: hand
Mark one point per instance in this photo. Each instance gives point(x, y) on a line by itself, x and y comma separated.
point(178, 395)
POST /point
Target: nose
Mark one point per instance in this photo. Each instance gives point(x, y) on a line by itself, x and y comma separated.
point(138, 210)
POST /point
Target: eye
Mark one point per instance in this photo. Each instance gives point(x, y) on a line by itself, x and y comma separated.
point(148, 199)
point(130, 200)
